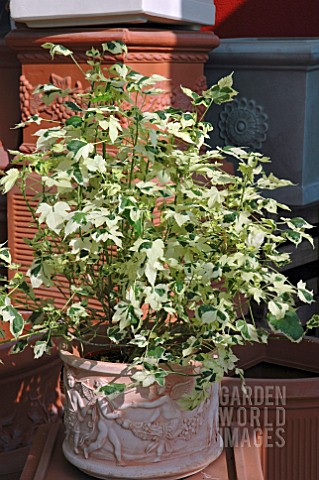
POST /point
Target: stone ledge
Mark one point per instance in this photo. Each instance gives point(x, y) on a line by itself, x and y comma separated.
point(268, 52)
point(38, 14)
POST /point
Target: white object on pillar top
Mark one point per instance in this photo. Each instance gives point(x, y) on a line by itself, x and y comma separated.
point(61, 13)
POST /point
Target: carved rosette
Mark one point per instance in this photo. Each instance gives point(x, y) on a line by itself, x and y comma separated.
point(243, 122)
point(138, 429)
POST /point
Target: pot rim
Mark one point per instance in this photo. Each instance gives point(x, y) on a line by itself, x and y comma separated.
point(95, 366)
point(74, 360)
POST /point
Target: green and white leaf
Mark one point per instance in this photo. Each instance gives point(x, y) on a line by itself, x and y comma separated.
point(53, 215)
point(56, 49)
point(304, 294)
point(95, 164)
point(9, 180)
point(40, 348)
point(289, 325)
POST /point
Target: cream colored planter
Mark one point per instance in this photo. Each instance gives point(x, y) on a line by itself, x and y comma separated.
point(140, 434)
point(58, 13)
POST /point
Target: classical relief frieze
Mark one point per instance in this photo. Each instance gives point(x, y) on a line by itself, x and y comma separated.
point(104, 426)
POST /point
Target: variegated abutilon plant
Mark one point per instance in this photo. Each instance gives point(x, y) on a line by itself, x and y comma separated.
point(153, 246)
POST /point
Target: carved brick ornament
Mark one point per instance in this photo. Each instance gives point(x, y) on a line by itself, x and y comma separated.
point(31, 104)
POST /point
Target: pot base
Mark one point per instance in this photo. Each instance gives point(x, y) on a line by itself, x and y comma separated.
point(164, 469)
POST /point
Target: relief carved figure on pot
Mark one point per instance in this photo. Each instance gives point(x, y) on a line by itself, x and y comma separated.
point(102, 423)
point(87, 418)
point(75, 412)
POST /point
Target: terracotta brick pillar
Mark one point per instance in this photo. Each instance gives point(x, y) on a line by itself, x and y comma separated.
point(9, 100)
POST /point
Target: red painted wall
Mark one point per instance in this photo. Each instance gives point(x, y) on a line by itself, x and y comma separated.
point(267, 18)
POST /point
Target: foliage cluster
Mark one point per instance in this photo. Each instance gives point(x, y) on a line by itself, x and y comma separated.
point(152, 245)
